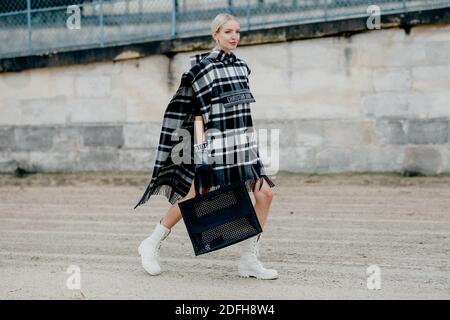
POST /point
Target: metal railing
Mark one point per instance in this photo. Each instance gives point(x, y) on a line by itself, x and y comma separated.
point(39, 26)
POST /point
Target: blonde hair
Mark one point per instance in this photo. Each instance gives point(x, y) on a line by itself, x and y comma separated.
point(218, 22)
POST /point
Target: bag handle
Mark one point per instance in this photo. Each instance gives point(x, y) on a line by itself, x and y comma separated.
point(202, 171)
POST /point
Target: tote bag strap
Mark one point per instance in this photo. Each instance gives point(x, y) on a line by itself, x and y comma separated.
point(205, 171)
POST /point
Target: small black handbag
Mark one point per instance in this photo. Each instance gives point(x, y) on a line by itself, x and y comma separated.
point(219, 218)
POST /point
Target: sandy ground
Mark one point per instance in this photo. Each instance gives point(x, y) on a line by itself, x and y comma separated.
point(322, 234)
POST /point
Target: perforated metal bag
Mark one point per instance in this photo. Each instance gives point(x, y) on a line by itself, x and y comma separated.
point(219, 218)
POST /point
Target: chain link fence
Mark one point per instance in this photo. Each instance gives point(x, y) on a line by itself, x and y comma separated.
point(39, 26)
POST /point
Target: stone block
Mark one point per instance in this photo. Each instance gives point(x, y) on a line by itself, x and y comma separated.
point(431, 33)
point(388, 158)
point(142, 135)
point(153, 67)
point(14, 84)
point(145, 110)
point(391, 79)
point(358, 159)
point(322, 52)
point(102, 136)
point(445, 153)
point(335, 81)
point(92, 86)
point(10, 113)
point(308, 133)
point(387, 48)
point(281, 83)
point(95, 110)
point(296, 159)
point(425, 160)
point(7, 139)
point(42, 111)
point(333, 160)
point(308, 106)
point(428, 131)
point(414, 131)
point(11, 160)
point(137, 159)
point(105, 68)
point(7, 166)
point(395, 105)
point(34, 138)
point(281, 133)
point(33, 84)
point(62, 85)
point(379, 37)
point(439, 103)
point(51, 162)
point(437, 53)
point(348, 133)
point(96, 159)
point(392, 131)
point(146, 87)
point(67, 139)
point(431, 78)
point(275, 57)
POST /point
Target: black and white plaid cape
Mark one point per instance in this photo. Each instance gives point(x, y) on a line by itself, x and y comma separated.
point(216, 84)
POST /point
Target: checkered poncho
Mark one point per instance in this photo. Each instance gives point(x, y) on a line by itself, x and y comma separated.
point(217, 84)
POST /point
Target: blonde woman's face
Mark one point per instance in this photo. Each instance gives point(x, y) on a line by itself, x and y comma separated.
point(228, 35)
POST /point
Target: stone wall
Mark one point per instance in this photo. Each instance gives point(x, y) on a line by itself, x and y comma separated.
point(375, 101)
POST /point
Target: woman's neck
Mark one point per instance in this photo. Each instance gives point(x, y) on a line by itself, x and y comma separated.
point(227, 51)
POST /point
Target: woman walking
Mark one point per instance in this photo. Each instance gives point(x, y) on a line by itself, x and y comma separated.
point(211, 108)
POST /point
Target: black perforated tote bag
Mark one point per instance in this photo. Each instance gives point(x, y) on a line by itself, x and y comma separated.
point(219, 218)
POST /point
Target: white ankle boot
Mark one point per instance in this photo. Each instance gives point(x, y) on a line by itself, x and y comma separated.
point(249, 265)
point(149, 249)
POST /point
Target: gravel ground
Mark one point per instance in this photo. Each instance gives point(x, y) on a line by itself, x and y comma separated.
point(322, 234)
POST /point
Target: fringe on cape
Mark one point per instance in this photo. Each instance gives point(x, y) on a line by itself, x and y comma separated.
point(172, 196)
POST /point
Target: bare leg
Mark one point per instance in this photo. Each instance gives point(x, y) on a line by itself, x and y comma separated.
point(149, 247)
point(172, 216)
point(263, 200)
point(249, 265)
